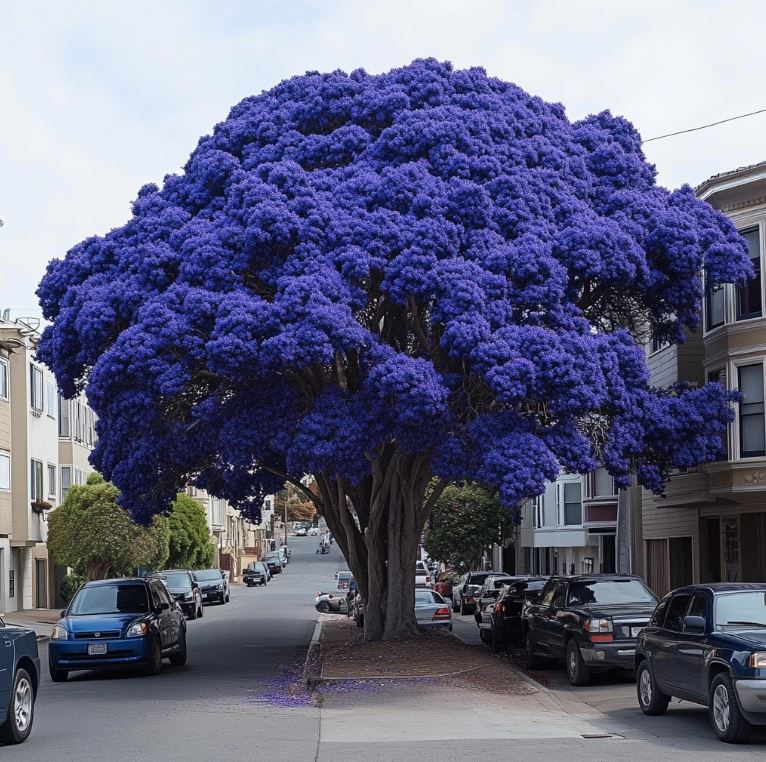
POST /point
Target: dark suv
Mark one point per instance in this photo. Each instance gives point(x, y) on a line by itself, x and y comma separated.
point(589, 621)
point(707, 644)
point(184, 589)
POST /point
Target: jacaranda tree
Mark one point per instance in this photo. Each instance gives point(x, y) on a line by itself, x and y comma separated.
point(383, 279)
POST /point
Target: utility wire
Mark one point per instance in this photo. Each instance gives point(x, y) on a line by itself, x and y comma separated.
point(705, 126)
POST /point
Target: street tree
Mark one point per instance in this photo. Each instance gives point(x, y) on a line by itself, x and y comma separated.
point(190, 544)
point(385, 279)
point(94, 535)
point(466, 520)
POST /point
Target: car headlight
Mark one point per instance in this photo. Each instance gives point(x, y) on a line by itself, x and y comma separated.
point(59, 632)
point(758, 660)
point(138, 629)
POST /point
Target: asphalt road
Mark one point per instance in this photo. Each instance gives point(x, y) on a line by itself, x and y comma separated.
point(226, 703)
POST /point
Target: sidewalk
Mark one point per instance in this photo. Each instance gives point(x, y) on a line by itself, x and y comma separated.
point(39, 620)
point(376, 692)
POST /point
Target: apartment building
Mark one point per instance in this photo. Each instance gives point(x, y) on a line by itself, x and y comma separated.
point(710, 525)
point(570, 528)
point(6, 509)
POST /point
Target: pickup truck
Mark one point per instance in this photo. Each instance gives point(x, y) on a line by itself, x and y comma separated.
point(19, 680)
point(589, 621)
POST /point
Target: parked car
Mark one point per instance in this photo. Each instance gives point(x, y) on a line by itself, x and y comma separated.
point(301, 532)
point(431, 610)
point(274, 561)
point(464, 592)
point(212, 585)
point(19, 680)
point(589, 621)
point(313, 531)
point(489, 591)
point(256, 573)
point(423, 579)
point(118, 623)
point(500, 624)
point(444, 583)
point(335, 602)
point(184, 589)
point(707, 644)
point(345, 580)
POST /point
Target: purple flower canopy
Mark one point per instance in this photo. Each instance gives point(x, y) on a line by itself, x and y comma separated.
point(429, 259)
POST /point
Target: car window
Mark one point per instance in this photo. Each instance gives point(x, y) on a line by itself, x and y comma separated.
point(155, 595)
point(176, 579)
point(658, 617)
point(110, 599)
point(746, 607)
point(561, 595)
point(423, 597)
point(676, 611)
point(698, 607)
point(549, 591)
point(608, 592)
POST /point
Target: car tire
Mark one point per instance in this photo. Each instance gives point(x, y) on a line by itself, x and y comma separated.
point(201, 611)
point(323, 607)
point(228, 598)
point(725, 716)
point(57, 675)
point(21, 711)
point(577, 671)
point(193, 615)
point(650, 698)
point(154, 667)
point(462, 607)
point(178, 659)
point(532, 660)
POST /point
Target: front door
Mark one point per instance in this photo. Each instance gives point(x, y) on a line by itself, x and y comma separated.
point(690, 653)
point(669, 639)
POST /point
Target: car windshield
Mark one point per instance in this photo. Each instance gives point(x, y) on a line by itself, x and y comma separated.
point(423, 597)
point(176, 579)
point(744, 608)
point(609, 592)
point(110, 599)
point(478, 578)
point(208, 575)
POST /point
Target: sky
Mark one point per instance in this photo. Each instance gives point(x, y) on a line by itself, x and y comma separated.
point(99, 98)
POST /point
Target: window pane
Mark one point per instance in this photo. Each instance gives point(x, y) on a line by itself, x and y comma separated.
point(749, 295)
point(64, 430)
point(66, 480)
point(751, 408)
point(714, 308)
point(52, 480)
point(602, 482)
point(3, 379)
point(5, 471)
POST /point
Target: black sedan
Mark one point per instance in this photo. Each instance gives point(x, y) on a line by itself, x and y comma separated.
point(707, 644)
point(184, 589)
point(212, 585)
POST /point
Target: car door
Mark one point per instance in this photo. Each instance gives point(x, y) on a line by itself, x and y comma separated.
point(547, 637)
point(691, 650)
point(668, 639)
point(7, 661)
point(162, 614)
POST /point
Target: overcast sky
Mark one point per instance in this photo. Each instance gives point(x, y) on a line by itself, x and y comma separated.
point(98, 98)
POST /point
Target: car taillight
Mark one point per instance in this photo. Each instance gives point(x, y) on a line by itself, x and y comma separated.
point(500, 608)
point(442, 613)
point(600, 630)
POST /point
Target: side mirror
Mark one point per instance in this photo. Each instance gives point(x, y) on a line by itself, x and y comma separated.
point(694, 624)
point(62, 613)
point(164, 606)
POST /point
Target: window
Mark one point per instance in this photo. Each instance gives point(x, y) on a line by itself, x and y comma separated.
point(752, 436)
point(603, 484)
point(749, 295)
point(64, 420)
point(657, 344)
point(4, 379)
point(546, 597)
point(36, 480)
point(66, 480)
point(587, 565)
point(5, 470)
point(11, 583)
point(561, 595)
point(659, 613)
point(572, 504)
point(718, 376)
point(698, 607)
point(51, 480)
point(714, 308)
point(79, 476)
point(676, 611)
point(50, 389)
point(538, 506)
point(35, 387)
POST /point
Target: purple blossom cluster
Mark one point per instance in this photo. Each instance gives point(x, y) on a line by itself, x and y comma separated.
point(429, 259)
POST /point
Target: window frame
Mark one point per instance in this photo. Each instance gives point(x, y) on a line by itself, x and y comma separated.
point(50, 398)
point(6, 455)
point(564, 503)
point(738, 316)
point(5, 380)
point(689, 597)
point(741, 453)
point(36, 374)
point(62, 488)
point(52, 480)
point(34, 494)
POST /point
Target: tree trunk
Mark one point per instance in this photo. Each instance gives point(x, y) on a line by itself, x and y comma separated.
point(97, 569)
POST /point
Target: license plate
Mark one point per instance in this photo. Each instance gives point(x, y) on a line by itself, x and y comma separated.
point(634, 631)
point(96, 649)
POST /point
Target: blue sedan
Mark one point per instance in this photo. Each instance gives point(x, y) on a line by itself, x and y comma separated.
point(118, 623)
point(707, 644)
point(19, 678)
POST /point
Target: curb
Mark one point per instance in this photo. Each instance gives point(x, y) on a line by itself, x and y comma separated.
point(312, 667)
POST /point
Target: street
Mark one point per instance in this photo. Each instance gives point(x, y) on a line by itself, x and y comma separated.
point(240, 697)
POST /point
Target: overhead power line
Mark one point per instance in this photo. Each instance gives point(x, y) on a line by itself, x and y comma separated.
point(705, 126)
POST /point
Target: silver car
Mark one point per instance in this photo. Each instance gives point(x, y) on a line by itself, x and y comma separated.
point(431, 610)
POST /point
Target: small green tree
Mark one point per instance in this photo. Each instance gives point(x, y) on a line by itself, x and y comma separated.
point(94, 535)
point(190, 544)
point(467, 519)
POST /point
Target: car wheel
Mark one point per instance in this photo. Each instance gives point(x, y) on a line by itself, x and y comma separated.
point(201, 611)
point(462, 607)
point(650, 698)
point(178, 659)
point(193, 613)
point(21, 712)
point(154, 667)
point(725, 717)
point(228, 598)
point(577, 672)
point(57, 675)
point(533, 661)
point(323, 607)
